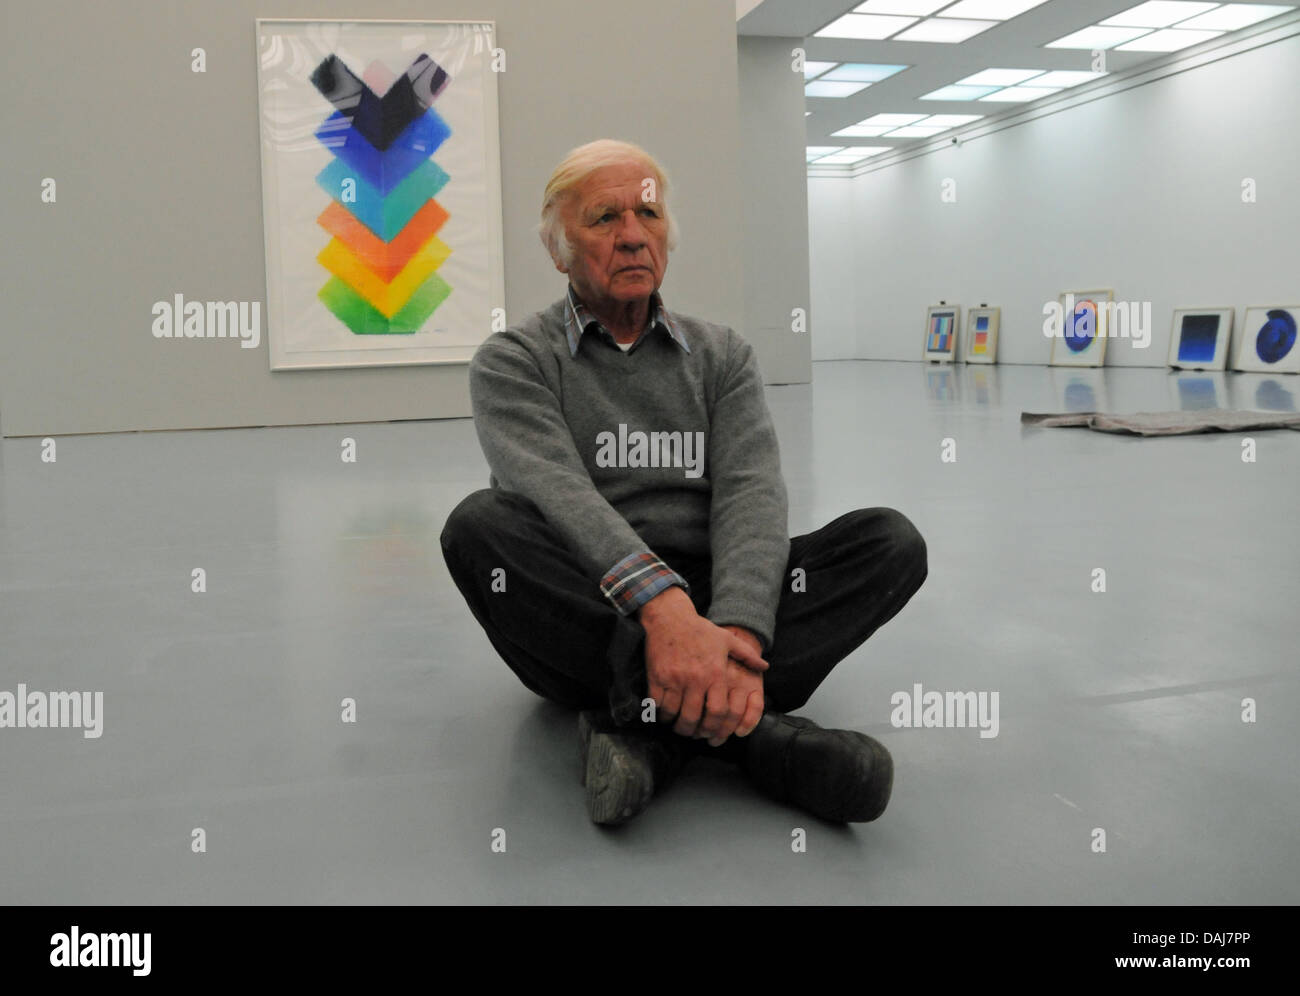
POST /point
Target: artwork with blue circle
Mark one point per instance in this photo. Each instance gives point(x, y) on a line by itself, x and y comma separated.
point(1268, 340)
point(1081, 328)
point(1277, 337)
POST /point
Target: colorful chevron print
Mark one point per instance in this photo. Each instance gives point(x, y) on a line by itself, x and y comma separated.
point(385, 252)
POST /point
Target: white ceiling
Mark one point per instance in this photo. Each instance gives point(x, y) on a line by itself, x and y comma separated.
point(1015, 44)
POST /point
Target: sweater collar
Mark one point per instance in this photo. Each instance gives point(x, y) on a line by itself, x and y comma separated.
point(578, 319)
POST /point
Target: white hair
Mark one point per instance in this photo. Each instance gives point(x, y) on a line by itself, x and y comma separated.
point(579, 164)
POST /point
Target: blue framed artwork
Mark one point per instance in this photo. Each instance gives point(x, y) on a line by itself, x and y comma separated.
point(1200, 338)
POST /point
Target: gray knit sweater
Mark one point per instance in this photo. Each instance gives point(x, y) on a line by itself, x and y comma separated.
point(589, 439)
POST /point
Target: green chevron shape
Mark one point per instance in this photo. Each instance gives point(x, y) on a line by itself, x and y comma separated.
point(362, 318)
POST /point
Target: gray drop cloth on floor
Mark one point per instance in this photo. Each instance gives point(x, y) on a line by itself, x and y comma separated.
point(1168, 423)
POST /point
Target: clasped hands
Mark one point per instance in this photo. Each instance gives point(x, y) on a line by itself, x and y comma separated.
point(705, 679)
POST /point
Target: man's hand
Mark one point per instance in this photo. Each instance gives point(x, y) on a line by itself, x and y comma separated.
point(707, 678)
point(754, 677)
point(748, 637)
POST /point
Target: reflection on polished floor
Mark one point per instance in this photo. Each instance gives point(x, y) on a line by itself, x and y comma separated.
point(1120, 710)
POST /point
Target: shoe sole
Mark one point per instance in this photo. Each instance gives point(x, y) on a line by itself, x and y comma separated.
point(618, 779)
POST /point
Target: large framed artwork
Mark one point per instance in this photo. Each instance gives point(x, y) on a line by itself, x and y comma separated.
point(381, 190)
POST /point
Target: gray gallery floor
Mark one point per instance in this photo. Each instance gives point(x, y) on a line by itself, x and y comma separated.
point(1119, 710)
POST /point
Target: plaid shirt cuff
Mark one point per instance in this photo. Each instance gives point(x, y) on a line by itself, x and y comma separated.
point(636, 579)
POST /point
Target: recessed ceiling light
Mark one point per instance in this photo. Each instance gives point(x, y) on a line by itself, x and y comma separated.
point(862, 131)
point(864, 26)
point(1097, 37)
point(850, 156)
point(1157, 13)
point(811, 69)
point(1168, 40)
point(950, 120)
point(820, 88)
point(895, 120)
point(817, 151)
point(915, 131)
point(863, 72)
point(958, 92)
point(993, 10)
point(999, 77)
point(918, 7)
point(1019, 94)
point(1066, 77)
point(1232, 16)
point(948, 32)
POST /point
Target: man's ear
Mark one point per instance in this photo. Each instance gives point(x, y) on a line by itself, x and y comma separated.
point(557, 258)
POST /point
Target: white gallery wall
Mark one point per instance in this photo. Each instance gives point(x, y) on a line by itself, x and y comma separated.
point(773, 249)
point(1139, 191)
point(159, 192)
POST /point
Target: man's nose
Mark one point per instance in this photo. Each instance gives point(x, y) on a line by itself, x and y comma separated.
point(632, 233)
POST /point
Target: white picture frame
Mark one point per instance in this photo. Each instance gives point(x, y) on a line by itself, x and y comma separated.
point(942, 326)
point(982, 326)
point(1255, 344)
point(1081, 340)
point(1200, 338)
point(381, 189)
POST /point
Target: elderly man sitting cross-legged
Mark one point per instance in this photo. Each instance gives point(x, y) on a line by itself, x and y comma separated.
point(631, 556)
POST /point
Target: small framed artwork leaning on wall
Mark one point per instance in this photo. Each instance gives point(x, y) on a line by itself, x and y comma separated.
point(1080, 339)
point(1267, 343)
point(982, 334)
point(1200, 338)
point(941, 323)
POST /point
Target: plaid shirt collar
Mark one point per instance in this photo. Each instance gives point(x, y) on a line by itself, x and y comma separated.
point(578, 320)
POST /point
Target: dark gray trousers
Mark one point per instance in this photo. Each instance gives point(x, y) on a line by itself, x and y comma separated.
point(566, 642)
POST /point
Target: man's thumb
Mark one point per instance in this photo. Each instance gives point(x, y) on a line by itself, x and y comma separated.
point(744, 654)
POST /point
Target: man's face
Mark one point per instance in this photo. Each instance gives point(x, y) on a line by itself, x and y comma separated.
point(620, 242)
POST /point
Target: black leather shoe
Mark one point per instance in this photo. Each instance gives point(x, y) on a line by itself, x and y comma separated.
point(623, 767)
point(840, 775)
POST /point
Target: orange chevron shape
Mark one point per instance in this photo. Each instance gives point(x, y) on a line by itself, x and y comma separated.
point(387, 297)
point(384, 259)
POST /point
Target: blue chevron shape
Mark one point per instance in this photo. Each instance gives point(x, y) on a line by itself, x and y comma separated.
point(380, 119)
point(384, 214)
point(384, 170)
